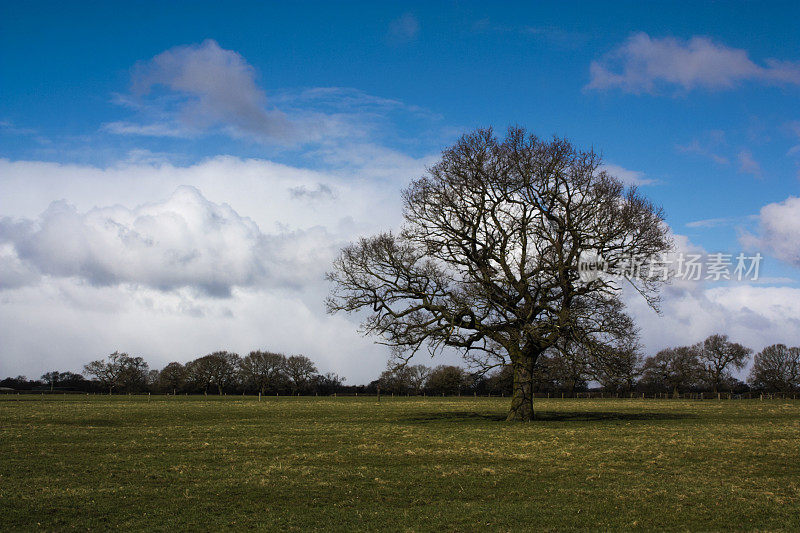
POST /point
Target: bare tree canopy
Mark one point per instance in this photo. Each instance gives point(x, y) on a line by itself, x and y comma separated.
point(487, 259)
point(718, 356)
point(676, 369)
point(777, 368)
point(617, 366)
point(218, 368)
point(119, 370)
point(173, 377)
point(300, 371)
point(264, 370)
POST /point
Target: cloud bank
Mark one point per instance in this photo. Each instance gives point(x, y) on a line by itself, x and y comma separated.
point(172, 262)
point(183, 241)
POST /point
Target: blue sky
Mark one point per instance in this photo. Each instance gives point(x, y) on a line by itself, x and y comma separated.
point(110, 104)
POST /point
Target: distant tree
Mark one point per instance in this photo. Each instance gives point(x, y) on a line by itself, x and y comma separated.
point(264, 370)
point(404, 379)
point(395, 379)
point(19, 383)
point(544, 378)
point(487, 259)
point(617, 367)
point(447, 379)
point(218, 369)
point(300, 370)
point(134, 374)
point(498, 381)
point(108, 372)
point(172, 377)
point(418, 375)
point(718, 356)
point(72, 380)
point(559, 371)
point(569, 366)
point(327, 384)
point(153, 379)
point(776, 368)
point(199, 373)
point(51, 378)
point(736, 385)
point(673, 369)
point(224, 369)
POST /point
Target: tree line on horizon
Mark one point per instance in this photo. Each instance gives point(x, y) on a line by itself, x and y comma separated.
point(706, 366)
point(219, 372)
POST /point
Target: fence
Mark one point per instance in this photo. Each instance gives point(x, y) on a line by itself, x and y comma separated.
point(591, 395)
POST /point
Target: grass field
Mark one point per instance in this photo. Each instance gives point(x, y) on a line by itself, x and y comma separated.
point(401, 464)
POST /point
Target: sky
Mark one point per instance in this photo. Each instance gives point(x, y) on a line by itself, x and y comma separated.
point(176, 178)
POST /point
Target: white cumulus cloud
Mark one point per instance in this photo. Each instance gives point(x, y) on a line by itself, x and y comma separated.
point(779, 231)
point(183, 241)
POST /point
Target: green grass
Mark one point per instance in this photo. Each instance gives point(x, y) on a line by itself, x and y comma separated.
point(401, 464)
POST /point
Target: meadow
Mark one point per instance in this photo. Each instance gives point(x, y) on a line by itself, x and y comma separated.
point(298, 463)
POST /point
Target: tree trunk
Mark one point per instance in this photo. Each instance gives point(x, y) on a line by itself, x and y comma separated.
point(522, 396)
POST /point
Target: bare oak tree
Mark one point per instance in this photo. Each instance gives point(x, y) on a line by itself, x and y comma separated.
point(617, 367)
point(264, 370)
point(487, 259)
point(776, 368)
point(173, 377)
point(300, 370)
point(717, 356)
point(109, 373)
point(674, 369)
point(218, 368)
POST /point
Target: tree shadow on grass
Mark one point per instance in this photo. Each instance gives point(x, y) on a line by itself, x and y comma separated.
point(593, 416)
point(550, 416)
